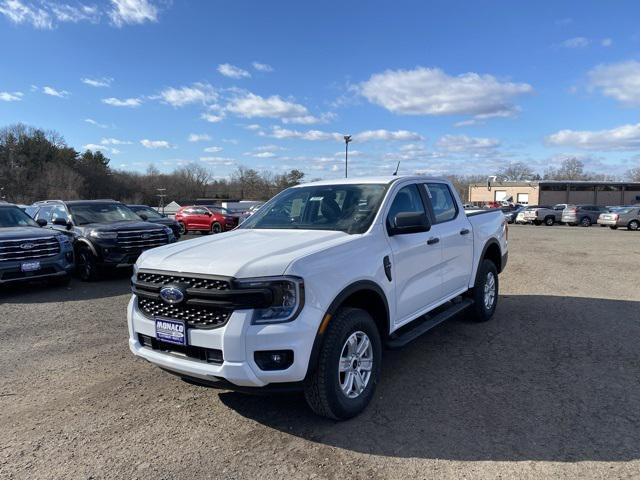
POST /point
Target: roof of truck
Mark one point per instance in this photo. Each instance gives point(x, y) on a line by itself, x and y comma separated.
point(370, 180)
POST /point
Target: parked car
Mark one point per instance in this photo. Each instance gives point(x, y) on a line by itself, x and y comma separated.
point(153, 216)
point(545, 214)
point(621, 217)
point(310, 288)
point(511, 212)
point(583, 215)
point(205, 219)
point(30, 252)
point(104, 233)
point(520, 218)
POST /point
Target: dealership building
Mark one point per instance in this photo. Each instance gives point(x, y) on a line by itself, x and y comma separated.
point(551, 192)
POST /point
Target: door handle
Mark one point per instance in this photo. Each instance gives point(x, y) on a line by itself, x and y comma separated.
point(464, 231)
point(433, 241)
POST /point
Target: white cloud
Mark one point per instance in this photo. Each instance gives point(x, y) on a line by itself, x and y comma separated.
point(253, 126)
point(263, 154)
point(219, 161)
point(11, 96)
point(132, 12)
point(465, 145)
point(55, 93)
point(125, 102)
point(430, 91)
point(576, 42)
point(211, 117)
point(19, 12)
point(606, 42)
point(262, 67)
point(624, 137)
point(311, 135)
point(154, 144)
point(97, 82)
point(114, 141)
point(232, 71)
point(620, 81)
point(74, 13)
point(213, 149)
point(381, 134)
point(252, 105)
point(102, 148)
point(197, 93)
point(199, 137)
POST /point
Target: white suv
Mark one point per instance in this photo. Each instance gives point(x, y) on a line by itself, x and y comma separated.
point(307, 292)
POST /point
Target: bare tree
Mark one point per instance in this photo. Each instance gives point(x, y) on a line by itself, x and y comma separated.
point(516, 171)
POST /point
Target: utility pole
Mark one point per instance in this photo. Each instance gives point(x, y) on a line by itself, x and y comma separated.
point(162, 195)
point(347, 141)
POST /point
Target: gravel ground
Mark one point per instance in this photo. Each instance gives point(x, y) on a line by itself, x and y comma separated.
point(550, 388)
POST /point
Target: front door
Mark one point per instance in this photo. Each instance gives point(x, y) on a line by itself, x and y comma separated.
point(416, 260)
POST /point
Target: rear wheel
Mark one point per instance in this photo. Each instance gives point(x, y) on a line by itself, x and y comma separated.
point(183, 228)
point(633, 225)
point(348, 368)
point(485, 292)
point(549, 221)
point(585, 222)
point(86, 265)
point(216, 227)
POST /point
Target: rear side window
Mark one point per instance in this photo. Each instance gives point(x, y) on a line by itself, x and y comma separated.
point(44, 213)
point(59, 212)
point(442, 202)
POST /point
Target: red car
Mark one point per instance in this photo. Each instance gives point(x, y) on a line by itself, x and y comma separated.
point(205, 219)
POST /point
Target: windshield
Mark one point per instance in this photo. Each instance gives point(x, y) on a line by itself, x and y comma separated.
point(148, 211)
point(101, 213)
point(345, 208)
point(14, 217)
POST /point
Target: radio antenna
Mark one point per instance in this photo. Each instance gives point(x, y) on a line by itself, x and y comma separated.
point(395, 174)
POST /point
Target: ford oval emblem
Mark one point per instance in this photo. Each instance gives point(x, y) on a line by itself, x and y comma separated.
point(27, 246)
point(171, 294)
point(146, 236)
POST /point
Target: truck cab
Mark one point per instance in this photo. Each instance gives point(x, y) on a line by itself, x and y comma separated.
point(314, 285)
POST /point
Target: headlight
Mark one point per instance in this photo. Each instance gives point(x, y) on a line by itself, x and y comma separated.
point(287, 294)
point(64, 240)
point(104, 235)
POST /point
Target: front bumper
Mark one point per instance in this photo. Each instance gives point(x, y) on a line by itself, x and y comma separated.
point(238, 340)
point(58, 266)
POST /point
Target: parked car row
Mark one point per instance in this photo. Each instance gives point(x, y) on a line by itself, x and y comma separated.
point(583, 215)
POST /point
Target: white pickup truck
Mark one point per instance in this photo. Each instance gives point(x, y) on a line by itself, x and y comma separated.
point(309, 290)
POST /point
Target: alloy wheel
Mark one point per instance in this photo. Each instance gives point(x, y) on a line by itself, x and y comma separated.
point(356, 364)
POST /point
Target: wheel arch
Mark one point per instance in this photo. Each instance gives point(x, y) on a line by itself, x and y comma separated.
point(364, 294)
point(83, 243)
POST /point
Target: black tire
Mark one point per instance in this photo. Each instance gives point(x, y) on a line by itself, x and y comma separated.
point(537, 222)
point(479, 310)
point(86, 265)
point(585, 222)
point(613, 227)
point(216, 228)
point(549, 221)
point(322, 387)
point(183, 228)
point(633, 225)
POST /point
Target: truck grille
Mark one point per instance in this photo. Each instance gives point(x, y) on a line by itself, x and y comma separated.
point(194, 317)
point(197, 310)
point(136, 240)
point(28, 249)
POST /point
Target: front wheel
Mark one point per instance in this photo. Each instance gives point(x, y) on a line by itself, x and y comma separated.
point(485, 292)
point(216, 228)
point(549, 221)
point(633, 225)
point(585, 222)
point(182, 228)
point(348, 368)
point(86, 266)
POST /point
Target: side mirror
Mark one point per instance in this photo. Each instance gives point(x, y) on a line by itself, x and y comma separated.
point(143, 216)
point(61, 222)
point(409, 222)
point(42, 222)
point(209, 214)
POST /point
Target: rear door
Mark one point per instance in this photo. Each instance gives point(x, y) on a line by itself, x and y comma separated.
point(451, 226)
point(416, 260)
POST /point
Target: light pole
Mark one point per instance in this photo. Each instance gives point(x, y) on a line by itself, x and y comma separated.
point(347, 140)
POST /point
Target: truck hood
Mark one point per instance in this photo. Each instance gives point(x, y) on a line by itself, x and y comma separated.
point(241, 253)
point(15, 233)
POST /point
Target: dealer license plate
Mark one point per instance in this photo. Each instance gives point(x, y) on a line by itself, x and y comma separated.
point(171, 331)
point(30, 266)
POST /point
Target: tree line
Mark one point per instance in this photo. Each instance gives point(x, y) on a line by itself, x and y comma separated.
point(36, 164)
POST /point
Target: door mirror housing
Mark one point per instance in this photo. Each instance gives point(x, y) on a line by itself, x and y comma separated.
point(61, 222)
point(42, 222)
point(409, 222)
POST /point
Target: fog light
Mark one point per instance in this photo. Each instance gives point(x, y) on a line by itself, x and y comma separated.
point(274, 359)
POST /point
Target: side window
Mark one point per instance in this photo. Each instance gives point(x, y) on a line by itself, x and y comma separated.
point(59, 212)
point(407, 200)
point(44, 213)
point(31, 211)
point(442, 202)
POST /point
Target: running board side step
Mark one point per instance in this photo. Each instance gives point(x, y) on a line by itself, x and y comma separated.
point(403, 338)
